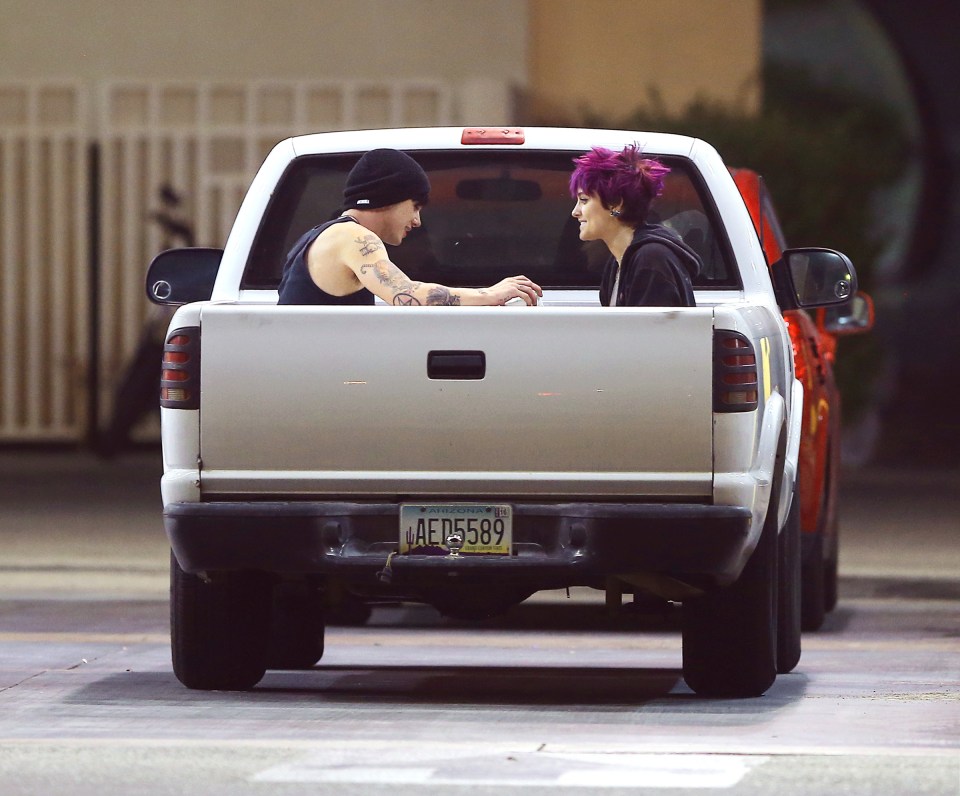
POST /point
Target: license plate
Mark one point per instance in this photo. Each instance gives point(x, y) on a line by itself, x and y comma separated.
point(456, 529)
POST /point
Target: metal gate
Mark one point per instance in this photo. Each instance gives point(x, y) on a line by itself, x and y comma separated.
point(44, 274)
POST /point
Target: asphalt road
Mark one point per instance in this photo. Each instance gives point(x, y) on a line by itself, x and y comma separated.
point(555, 695)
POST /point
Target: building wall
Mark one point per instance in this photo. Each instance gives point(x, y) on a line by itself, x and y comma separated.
point(251, 39)
point(606, 56)
point(565, 56)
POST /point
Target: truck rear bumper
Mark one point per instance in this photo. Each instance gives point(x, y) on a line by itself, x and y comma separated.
point(555, 545)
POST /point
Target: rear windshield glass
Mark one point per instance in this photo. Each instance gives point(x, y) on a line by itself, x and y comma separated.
point(491, 214)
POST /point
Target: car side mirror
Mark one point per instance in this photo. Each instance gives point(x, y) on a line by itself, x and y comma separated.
point(813, 277)
point(181, 276)
point(854, 317)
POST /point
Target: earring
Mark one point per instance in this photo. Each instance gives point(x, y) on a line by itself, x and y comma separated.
point(615, 213)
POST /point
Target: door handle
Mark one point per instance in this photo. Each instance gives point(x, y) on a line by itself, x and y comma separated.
point(456, 364)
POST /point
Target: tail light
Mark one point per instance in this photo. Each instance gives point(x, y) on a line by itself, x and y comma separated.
point(734, 373)
point(180, 374)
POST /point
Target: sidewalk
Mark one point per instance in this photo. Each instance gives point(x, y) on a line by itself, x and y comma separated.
point(71, 522)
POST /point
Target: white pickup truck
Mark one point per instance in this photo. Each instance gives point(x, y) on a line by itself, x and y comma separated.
point(468, 457)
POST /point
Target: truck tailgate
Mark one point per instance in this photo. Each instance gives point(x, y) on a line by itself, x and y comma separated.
point(548, 401)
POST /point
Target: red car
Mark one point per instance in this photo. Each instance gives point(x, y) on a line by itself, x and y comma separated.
point(814, 340)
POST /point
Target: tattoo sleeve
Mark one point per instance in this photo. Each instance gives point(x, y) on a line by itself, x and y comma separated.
point(393, 278)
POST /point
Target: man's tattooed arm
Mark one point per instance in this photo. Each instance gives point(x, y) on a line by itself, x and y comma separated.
point(437, 296)
point(404, 290)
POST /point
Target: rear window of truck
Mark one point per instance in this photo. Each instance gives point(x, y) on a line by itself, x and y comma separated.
point(491, 214)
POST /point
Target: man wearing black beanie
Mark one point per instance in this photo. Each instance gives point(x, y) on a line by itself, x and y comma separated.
point(345, 262)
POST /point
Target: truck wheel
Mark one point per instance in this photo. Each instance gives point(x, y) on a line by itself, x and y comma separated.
point(219, 629)
point(788, 590)
point(296, 627)
point(813, 589)
point(730, 635)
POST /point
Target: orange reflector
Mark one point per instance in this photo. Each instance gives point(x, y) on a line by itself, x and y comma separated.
point(492, 135)
point(175, 375)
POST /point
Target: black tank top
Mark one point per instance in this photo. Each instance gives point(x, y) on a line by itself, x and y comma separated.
point(296, 285)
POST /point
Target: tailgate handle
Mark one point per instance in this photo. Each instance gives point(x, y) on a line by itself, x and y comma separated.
point(456, 364)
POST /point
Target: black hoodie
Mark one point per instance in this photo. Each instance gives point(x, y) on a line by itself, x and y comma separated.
point(658, 271)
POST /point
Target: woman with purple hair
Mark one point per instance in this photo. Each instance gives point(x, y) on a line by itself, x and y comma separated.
point(650, 265)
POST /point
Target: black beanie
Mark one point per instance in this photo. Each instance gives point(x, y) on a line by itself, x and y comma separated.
point(384, 177)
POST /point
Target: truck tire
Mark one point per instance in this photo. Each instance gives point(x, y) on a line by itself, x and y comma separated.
point(296, 627)
point(219, 628)
point(730, 635)
point(788, 590)
point(813, 589)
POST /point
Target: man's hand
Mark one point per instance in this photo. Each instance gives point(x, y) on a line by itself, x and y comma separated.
point(514, 287)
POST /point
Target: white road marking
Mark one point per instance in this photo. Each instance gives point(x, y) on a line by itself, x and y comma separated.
point(513, 767)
